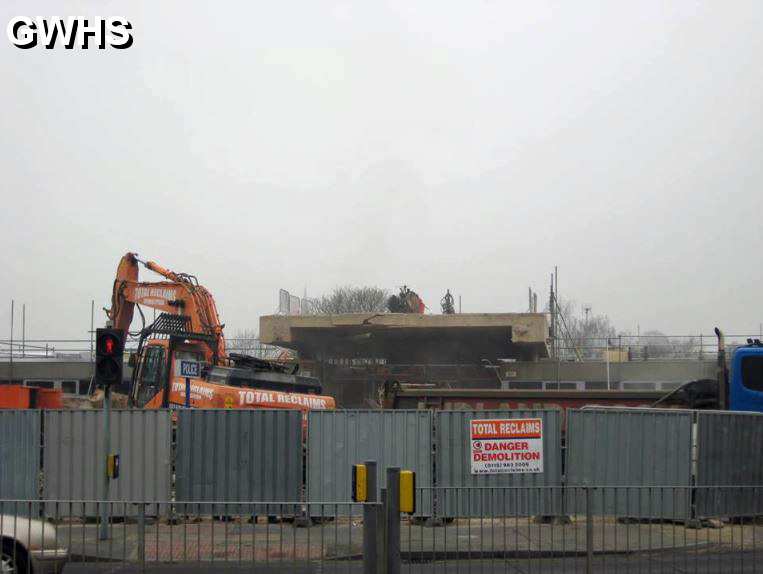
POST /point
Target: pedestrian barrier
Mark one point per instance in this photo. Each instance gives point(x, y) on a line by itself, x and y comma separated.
point(189, 536)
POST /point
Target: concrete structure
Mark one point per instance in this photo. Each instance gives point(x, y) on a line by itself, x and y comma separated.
point(410, 338)
point(40, 368)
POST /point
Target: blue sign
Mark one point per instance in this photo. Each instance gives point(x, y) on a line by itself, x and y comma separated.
point(190, 369)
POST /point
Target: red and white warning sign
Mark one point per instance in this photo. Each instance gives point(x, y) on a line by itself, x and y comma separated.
point(502, 446)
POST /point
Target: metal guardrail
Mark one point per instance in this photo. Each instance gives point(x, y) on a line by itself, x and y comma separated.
point(242, 538)
point(620, 348)
point(598, 535)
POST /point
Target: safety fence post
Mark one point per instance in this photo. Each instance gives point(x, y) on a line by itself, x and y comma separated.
point(371, 538)
point(392, 538)
point(588, 531)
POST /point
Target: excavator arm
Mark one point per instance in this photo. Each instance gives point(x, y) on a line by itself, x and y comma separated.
point(180, 294)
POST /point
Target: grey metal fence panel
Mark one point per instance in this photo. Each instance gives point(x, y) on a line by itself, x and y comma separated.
point(19, 454)
point(461, 493)
point(239, 455)
point(73, 463)
point(339, 439)
point(729, 453)
point(636, 448)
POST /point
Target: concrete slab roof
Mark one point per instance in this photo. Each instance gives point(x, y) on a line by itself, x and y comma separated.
point(409, 336)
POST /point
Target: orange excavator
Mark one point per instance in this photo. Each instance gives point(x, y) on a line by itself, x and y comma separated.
point(188, 332)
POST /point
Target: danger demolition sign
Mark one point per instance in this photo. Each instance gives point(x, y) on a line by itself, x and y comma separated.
point(502, 446)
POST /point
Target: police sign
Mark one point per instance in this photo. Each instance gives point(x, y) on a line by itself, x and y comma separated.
point(190, 369)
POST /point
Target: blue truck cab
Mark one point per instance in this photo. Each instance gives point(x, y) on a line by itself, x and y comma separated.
point(745, 378)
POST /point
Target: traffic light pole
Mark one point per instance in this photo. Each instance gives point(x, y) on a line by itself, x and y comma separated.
point(104, 530)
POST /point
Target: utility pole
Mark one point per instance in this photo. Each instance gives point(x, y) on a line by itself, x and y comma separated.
point(103, 531)
point(553, 307)
point(607, 352)
point(23, 330)
point(532, 301)
point(92, 334)
point(10, 380)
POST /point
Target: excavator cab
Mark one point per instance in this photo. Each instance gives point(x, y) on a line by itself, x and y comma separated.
point(161, 346)
point(151, 374)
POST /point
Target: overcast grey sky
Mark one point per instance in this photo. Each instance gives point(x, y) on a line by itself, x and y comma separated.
point(461, 145)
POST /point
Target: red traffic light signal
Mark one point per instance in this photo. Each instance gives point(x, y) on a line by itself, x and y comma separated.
point(109, 351)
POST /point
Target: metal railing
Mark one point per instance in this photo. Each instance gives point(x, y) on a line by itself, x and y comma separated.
point(622, 348)
point(234, 535)
point(82, 349)
point(618, 347)
point(580, 529)
point(570, 534)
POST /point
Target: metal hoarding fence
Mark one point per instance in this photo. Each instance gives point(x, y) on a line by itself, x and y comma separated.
point(239, 455)
point(339, 439)
point(729, 453)
point(73, 463)
point(458, 491)
point(635, 448)
point(19, 453)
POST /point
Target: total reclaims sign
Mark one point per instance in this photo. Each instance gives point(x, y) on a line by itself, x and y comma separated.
point(25, 32)
point(506, 445)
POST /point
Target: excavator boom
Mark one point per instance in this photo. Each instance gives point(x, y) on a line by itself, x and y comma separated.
point(180, 294)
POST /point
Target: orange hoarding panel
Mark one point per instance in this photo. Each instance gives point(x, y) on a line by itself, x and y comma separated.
point(48, 399)
point(15, 397)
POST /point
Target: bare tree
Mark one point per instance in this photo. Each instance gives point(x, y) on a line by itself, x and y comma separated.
point(584, 336)
point(588, 336)
point(349, 300)
point(243, 341)
point(657, 345)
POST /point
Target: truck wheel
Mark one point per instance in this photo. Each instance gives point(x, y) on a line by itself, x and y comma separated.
point(13, 558)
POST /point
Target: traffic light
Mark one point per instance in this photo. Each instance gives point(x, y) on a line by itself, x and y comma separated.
point(109, 353)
